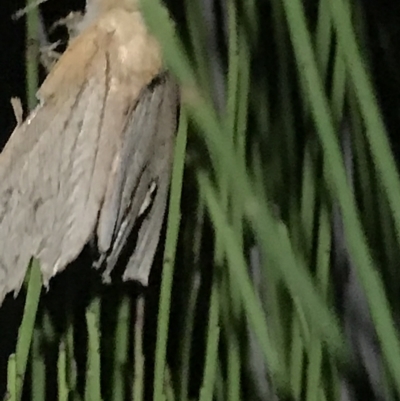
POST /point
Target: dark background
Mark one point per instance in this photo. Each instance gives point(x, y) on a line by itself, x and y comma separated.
point(12, 53)
point(383, 44)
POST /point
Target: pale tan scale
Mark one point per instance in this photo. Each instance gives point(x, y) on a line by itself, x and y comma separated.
point(94, 156)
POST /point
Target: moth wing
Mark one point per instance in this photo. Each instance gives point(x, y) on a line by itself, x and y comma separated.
point(128, 176)
point(144, 176)
point(53, 176)
point(141, 260)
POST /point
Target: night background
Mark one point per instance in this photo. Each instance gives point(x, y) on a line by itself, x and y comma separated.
point(276, 136)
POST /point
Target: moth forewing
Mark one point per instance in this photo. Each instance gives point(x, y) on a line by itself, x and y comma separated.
point(145, 161)
point(49, 211)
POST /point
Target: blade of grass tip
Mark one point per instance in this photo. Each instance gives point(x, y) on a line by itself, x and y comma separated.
point(138, 382)
point(93, 372)
point(375, 130)
point(11, 394)
point(371, 280)
point(25, 332)
point(38, 375)
point(121, 350)
point(62, 373)
point(210, 368)
point(173, 224)
point(32, 54)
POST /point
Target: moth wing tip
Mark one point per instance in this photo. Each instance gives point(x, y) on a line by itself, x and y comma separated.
point(106, 278)
point(136, 275)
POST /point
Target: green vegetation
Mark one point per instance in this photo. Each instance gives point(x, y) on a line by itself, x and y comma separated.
point(248, 304)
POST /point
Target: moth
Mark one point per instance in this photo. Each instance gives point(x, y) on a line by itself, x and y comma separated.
point(92, 162)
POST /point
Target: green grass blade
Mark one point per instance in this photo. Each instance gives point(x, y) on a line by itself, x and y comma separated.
point(93, 368)
point(11, 394)
point(25, 332)
point(63, 390)
point(38, 379)
point(173, 224)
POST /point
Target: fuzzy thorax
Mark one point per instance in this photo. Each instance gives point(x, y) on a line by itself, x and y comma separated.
point(94, 8)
